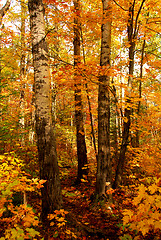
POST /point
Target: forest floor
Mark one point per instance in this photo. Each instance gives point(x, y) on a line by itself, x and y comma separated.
point(85, 219)
point(81, 217)
point(88, 219)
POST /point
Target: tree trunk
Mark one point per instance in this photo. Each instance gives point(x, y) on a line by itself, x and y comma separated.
point(89, 103)
point(114, 108)
point(3, 10)
point(104, 163)
point(127, 113)
point(140, 91)
point(80, 133)
point(22, 72)
point(49, 171)
point(132, 30)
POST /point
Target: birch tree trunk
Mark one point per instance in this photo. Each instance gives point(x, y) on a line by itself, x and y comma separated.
point(104, 164)
point(80, 133)
point(49, 171)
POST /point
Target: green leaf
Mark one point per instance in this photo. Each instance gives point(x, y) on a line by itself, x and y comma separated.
point(32, 232)
point(55, 235)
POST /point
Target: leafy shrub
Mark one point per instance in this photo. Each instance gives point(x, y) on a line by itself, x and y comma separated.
point(146, 213)
point(18, 219)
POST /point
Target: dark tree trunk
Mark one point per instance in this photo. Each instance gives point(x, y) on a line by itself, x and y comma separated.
point(89, 105)
point(49, 171)
point(104, 163)
point(80, 133)
point(115, 131)
point(3, 10)
point(22, 72)
point(127, 113)
point(140, 92)
point(132, 30)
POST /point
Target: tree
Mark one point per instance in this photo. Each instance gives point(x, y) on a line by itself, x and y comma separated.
point(132, 30)
point(49, 171)
point(140, 91)
point(22, 68)
point(104, 162)
point(4, 9)
point(80, 133)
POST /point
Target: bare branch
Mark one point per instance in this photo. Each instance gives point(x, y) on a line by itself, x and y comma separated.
point(153, 30)
point(136, 21)
point(61, 60)
point(120, 6)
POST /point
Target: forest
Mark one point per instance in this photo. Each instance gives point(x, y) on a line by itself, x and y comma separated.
point(80, 119)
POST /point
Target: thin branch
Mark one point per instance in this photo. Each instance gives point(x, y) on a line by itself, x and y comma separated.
point(120, 6)
point(59, 59)
point(153, 30)
point(156, 22)
point(112, 90)
point(136, 21)
point(153, 54)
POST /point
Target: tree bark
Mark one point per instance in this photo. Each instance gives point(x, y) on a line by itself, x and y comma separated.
point(49, 171)
point(89, 103)
point(80, 133)
point(127, 113)
point(22, 72)
point(104, 163)
point(140, 91)
point(4, 9)
point(115, 129)
point(132, 30)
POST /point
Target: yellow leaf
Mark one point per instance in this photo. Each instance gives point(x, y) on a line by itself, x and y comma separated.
point(68, 231)
point(51, 216)
point(61, 224)
point(83, 180)
point(157, 224)
point(144, 230)
point(61, 219)
point(126, 219)
point(153, 188)
point(52, 224)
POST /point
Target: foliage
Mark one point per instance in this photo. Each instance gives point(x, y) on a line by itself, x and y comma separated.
point(18, 219)
point(145, 214)
point(136, 208)
point(57, 219)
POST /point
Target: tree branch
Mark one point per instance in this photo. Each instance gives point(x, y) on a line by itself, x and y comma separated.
point(153, 30)
point(59, 59)
point(120, 6)
point(136, 21)
point(4, 9)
